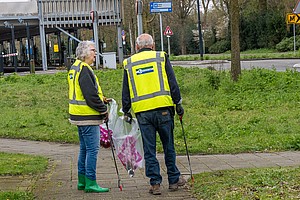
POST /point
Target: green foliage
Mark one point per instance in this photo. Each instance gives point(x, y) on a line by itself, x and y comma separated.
point(273, 183)
point(287, 44)
point(261, 28)
point(220, 47)
point(213, 78)
point(16, 196)
point(21, 164)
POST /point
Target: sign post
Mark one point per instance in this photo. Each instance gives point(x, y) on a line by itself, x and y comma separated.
point(159, 7)
point(168, 32)
point(139, 13)
point(124, 41)
point(293, 18)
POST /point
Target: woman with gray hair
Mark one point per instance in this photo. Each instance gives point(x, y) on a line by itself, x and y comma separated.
point(87, 109)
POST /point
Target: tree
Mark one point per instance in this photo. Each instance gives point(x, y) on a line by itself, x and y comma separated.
point(235, 41)
point(182, 14)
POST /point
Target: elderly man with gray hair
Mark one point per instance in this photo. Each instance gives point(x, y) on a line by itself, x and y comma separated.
point(151, 92)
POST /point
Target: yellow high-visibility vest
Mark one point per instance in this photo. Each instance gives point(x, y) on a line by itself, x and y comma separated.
point(77, 103)
point(147, 80)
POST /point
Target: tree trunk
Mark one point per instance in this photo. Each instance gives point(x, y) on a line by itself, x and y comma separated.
point(235, 40)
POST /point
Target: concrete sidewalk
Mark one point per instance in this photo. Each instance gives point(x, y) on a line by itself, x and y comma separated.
point(60, 181)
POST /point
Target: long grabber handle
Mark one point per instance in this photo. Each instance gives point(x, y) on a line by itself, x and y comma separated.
point(112, 150)
point(186, 149)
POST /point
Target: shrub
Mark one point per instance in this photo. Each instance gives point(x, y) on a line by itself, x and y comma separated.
point(287, 44)
point(220, 47)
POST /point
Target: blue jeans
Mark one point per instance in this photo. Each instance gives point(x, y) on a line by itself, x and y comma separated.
point(162, 121)
point(89, 137)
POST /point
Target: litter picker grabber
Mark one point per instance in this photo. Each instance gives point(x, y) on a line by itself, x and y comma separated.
point(187, 151)
point(112, 150)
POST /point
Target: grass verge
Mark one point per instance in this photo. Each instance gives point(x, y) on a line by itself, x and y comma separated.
point(248, 184)
point(19, 165)
point(246, 55)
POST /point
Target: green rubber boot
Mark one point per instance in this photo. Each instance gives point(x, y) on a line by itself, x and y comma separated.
point(92, 186)
point(81, 182)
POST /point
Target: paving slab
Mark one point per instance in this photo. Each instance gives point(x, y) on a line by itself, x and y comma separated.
point(60, 180)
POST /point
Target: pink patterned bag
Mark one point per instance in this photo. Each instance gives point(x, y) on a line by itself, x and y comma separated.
point(113, 115)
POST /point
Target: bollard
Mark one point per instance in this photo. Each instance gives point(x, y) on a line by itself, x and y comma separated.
point(1, 65)
point(69, 64)
point(32, 66)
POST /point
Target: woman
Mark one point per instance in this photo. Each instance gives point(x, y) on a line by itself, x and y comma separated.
point(87, 110)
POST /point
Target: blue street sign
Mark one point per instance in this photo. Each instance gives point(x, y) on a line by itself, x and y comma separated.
point(157, 7)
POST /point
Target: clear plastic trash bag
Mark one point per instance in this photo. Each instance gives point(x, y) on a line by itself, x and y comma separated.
point(128, 143)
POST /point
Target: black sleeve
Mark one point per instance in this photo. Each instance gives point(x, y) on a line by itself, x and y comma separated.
point(87, 84)
point(174, 88)
point(126, 102)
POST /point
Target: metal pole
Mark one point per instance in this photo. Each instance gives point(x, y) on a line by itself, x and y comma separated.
point(294, 30)
point(21, 57)
point(1, 59)
point(59, 48)
point(14, 47)
point(139, 8)
point(200, 32)
point(120, 45)
point(42, 37)
point(169, 48)
point(95, 28)
point(28, 47)
point(119, 30)
point(43, 47)
point(161, 32)
point(68, 34)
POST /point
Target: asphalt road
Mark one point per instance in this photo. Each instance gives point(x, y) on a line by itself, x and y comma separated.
point(278, 64)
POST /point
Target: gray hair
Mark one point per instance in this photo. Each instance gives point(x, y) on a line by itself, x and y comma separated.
point(83, 49)
point(144, 40)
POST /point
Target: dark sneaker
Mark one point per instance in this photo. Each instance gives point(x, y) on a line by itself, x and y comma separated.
point(155, 189)
point(181, 182)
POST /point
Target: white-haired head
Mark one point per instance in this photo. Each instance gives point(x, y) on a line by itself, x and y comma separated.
point(144, 41)
point(83, 50)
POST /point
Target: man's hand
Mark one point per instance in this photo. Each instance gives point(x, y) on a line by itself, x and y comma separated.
point(179, 110)
point(128, 117)
point(107, 100)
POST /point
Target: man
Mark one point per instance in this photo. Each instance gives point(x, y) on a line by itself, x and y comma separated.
point(150, 90)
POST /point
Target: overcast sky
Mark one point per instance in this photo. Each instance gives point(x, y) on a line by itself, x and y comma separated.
point(8, 1)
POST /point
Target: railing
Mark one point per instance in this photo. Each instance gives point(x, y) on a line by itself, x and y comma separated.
point(77, 13)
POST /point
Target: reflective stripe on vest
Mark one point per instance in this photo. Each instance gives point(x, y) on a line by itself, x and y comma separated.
point(158, 60)
point(73, 100)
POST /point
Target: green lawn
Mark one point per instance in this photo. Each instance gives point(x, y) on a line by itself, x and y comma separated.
point(258, 113)
point(248, 184)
